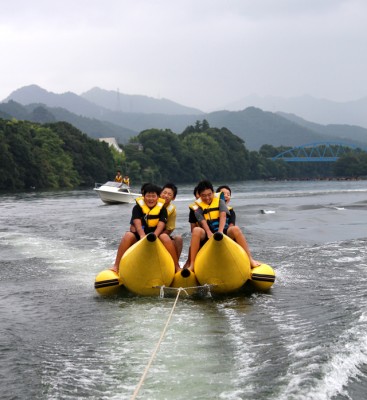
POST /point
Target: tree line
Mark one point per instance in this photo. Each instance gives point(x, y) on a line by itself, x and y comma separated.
point(201, 151)
point(50, 156)
point(57, 155)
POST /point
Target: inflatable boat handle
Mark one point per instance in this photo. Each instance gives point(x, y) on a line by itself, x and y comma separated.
point(218, 236)
point(151, 237)
point(185, 273)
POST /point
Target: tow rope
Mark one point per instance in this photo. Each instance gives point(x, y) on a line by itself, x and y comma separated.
point(156, 348)
point(162, 288)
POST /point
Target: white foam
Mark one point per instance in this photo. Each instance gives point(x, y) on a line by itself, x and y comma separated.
point(348, 354)
point(59, 254)
point(244, 354)
point(308, 377)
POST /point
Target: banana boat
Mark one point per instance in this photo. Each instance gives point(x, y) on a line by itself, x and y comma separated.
point(108, 283)
point(186, 279)
point(222, 264)
point(262, 277)
point(147, 266)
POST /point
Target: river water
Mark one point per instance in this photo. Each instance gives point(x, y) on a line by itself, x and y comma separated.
point(305, 339)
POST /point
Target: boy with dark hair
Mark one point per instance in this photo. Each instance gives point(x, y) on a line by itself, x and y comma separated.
point(211, 214)
point(192, 219)
point(168, 194)
point(118, 177)
point(227, 193)
point(148, 215)
point(126, 180)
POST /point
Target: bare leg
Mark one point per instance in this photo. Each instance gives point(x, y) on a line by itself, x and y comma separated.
point(187, 263)
point(169, 245)
point(197, 235)
point(235, 233)
point(178, 242)
point(127, 241)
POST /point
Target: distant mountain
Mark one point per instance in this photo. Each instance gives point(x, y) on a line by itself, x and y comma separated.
point(116, 101)
point(43, 114)
point(14, 109)
point(69, 101)
point(255, 126)
point(348, 133)
point(4, 115)
point(258, 127)
point(98, 102)
point(317, 110)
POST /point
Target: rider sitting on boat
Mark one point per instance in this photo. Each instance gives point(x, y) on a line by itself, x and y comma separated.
point(118, 177)
point(126, 180)
point(148, 215)
point(169, 193)
point(193, 222)
point(227, 193)
point(211, 213)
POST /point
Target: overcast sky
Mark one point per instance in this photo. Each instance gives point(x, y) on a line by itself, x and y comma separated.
point(200, 53)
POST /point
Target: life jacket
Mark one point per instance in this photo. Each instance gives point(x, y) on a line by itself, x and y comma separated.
point(228, 217)
point(126, 181)
point(151, 215)
point(211, 212)
point(118, 178)
point(170, 209)
point(194, 206)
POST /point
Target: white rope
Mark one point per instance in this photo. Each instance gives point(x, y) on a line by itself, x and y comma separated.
point(206, 286)
point(156, 349)
point(162, 288)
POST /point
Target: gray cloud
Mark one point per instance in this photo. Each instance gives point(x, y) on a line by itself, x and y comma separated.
point(202, 53)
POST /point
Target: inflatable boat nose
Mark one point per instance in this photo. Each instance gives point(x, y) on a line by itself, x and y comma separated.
point(151, 237)
point(218, 236)
point(185, 273)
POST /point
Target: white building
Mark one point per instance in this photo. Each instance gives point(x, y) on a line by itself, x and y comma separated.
point(111, 142)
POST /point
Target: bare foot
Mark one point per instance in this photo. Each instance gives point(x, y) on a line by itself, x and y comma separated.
point(254, 263)
point(115, 269)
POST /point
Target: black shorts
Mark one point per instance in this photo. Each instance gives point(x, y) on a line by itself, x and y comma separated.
point(202, 242)
point(136, 235)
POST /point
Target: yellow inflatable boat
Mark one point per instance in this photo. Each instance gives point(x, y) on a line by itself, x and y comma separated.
point(144, 267)
point(221, 264)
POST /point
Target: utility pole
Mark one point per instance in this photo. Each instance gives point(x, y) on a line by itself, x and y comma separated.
point(118, 103)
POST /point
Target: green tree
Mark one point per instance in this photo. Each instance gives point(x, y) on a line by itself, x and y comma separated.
point(93, 160)
point(55, 165)
point(351, 165)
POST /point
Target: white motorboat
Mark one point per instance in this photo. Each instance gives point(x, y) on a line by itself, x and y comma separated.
point(115, 192)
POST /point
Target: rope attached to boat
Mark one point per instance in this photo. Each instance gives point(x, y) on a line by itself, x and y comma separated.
point(168, 288)
point(179, 290)
point(162, 288)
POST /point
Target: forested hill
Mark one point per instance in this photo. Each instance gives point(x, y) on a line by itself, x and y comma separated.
point(252, 125)
point(50, 156)
point(40, 113)
point(57, 155)
point(97, 113)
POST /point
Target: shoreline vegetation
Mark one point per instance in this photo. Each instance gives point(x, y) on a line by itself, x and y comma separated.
point(59, 156)
point(326, 178)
